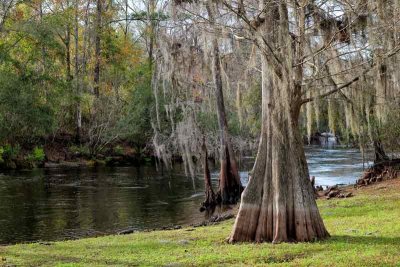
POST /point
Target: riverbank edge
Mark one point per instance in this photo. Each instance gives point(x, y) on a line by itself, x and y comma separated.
point(364, 232)
point(65, 154)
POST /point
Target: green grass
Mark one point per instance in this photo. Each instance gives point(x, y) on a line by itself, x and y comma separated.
point(365, 231)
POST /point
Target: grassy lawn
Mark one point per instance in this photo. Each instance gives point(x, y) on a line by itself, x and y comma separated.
point(365, 231)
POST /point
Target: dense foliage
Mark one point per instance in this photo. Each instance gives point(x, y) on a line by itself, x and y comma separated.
point(48, 67)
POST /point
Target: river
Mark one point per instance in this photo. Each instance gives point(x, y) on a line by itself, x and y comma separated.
point(57, 204)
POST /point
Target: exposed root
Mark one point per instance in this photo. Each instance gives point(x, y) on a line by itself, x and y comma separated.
point(385, 170)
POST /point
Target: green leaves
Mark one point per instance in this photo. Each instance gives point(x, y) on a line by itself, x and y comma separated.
point(37, 155)
point(26, 110)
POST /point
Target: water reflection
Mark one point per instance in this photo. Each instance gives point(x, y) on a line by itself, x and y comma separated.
point(56, 204)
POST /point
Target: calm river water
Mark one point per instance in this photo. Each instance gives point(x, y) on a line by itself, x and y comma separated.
point(56, 204)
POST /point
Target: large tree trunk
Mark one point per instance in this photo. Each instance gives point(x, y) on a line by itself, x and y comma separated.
point(230, 186)
point(278, 203)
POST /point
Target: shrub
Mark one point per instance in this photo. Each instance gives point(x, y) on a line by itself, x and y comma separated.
point(37, 155)
point(10, 152)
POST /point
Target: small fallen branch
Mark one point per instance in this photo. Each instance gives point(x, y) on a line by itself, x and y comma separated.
point(335, 192)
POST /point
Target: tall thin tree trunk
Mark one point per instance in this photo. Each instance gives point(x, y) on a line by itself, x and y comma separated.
point(43, 48)
point(68, 48)
point(230, 186)
point(126, 20)
point(68, 52)
point(77, 78)
point(96, 79)
point(86, 41)
point(152, 25)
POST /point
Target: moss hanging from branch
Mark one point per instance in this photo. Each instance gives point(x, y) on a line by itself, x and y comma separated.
point(332, 116)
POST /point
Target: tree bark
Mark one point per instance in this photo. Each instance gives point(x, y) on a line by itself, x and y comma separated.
point(230, 186)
